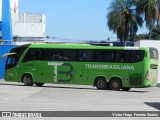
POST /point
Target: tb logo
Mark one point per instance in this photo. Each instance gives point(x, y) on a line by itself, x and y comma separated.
point(69, 73)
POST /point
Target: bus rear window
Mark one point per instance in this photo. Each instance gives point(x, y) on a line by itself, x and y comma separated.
point(153, 53)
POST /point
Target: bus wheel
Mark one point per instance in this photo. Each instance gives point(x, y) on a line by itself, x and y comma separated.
point(101, 84)
point(27, 80)
point(39, 84)
point(115, 84)
point(125, 89)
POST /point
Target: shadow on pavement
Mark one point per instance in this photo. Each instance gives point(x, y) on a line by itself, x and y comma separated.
point(158, 84)
point(47, 86)
point(137, 91)
point(72, 87)
point(10, 84)
point(155, 105)
point(68, 87)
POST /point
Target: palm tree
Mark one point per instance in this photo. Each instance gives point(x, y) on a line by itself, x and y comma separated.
point(123, 20)
point(156, 33)
point(151, 11)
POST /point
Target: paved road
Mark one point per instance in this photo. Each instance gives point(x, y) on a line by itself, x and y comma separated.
point(17, 97)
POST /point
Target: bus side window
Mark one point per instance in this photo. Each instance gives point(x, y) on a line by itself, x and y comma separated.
point(125, 57)
point(108, 56)
point(56, 54)
point(140, 55)
point(99, 56)
point(32, 54)
point(56, 57)
point(118, 57)
point(44, 54)
point(93, 56)
point(73, 55)
point(83, 56)
point(27, 57)
point(136, 56)
point(122, 57)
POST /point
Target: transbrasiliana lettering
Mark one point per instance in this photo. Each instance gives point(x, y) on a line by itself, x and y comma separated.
point(112, 67)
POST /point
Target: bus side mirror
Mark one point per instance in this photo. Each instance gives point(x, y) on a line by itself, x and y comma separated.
point(4, 55)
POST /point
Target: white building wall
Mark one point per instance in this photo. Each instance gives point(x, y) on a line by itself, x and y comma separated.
point(151, 43)
point(28, 25)
point(28, 30)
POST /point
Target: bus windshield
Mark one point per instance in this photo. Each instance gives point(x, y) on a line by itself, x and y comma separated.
point(13, 59)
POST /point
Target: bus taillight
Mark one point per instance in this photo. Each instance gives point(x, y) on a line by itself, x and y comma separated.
point(147, 75)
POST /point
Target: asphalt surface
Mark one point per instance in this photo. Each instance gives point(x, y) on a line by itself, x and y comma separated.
point(52, 97)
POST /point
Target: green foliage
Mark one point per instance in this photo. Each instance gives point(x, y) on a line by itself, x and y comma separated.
point(126, 16)
point(123, 20)
point(150, 10)
point(142, 37)
point(155, 34)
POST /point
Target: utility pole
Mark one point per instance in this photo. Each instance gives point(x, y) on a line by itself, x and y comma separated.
point(6, 23)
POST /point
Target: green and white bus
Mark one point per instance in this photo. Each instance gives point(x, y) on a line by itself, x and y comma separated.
point(105, 67)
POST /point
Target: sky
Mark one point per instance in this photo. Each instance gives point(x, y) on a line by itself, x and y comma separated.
point(73, 19)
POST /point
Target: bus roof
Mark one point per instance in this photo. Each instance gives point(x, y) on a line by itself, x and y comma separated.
point(80, 46)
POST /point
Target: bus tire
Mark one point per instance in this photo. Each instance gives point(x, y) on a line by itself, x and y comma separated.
point(125, 89)
point(39, 84)
point(101, 83)
point(115, 84)
point(27, 80)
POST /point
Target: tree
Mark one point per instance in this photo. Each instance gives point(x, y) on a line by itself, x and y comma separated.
point(123, 20)
point(142, 36)
point(151, 11)
point(156, 33)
